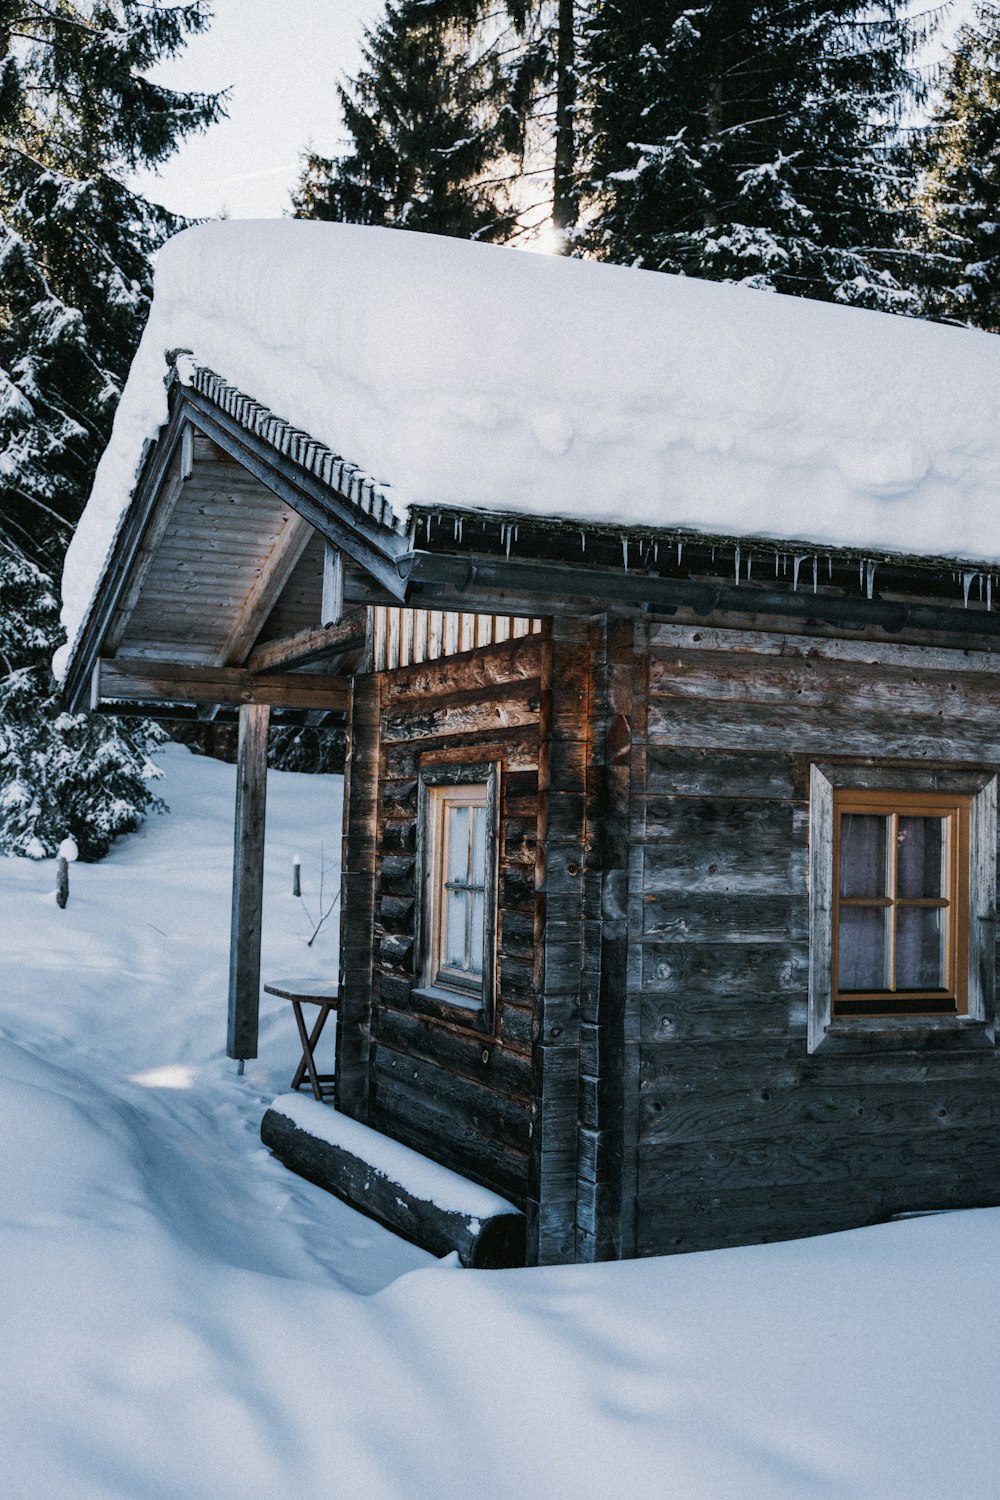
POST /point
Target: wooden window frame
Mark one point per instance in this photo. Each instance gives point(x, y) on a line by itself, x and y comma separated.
point(955, 811)
point(969, 799)
point(457, 1001)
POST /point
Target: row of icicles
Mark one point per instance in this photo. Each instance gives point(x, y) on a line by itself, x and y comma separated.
point(641, 553)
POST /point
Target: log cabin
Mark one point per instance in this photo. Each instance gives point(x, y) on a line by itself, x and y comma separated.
point(670, 675)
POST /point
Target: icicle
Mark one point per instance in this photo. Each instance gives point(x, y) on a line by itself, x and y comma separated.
point(815, 574)
point(861, 573)
point(980, 588)
point(583, 541)
point(508, 533)
point(966, 586)
point(796, 562)
point(736, 559)
point(829, 567)
point(680, 552)
point(989, 591)
point(870, 579)
point(776, 565)
point(625, 551)
point(656, 552)
point(749, 565)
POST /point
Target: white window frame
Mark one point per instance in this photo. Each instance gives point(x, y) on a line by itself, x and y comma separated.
point(442, 786)
point(827, 1031)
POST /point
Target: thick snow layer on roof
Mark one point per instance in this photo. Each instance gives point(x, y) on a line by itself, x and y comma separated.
point(472, 375)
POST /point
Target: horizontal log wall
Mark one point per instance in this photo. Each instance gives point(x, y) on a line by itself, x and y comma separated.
point(742, 1134)
point(460, 1094)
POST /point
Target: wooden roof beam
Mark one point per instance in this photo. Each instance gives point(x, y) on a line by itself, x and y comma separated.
point(308, 645)
point(274, 574)
point(142, 681)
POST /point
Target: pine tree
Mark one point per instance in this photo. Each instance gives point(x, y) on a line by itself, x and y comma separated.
point(960, 200)
point(77, 115)
point(427, 136)
point(461, 122)
point(749, 142)
point(60, 773)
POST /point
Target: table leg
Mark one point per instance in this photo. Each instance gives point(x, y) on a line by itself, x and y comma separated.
point(309, 1040)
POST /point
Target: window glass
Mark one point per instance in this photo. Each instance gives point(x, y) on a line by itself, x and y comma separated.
point(920, 858)
point(863, 956)
point(455, 946)
point(458, 843)
point(864, 847)
point(457, 865)
point(920, 948)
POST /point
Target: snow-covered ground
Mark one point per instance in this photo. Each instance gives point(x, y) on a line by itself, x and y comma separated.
point(182, 1319)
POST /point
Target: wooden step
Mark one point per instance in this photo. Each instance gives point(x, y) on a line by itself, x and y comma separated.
point(415, 1197)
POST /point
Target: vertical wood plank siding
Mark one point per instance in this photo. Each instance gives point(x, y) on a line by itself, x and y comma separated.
point(601, 1166)
point(565, 740)
point(357, 901)
point(403, 637)
point(437, 1081)
point(742, 1135)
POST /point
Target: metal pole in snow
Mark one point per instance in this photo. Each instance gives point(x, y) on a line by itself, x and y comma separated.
point(65, 856)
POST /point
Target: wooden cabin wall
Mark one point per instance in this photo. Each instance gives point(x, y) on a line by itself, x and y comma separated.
point(742, 1134)
point(454, 1092)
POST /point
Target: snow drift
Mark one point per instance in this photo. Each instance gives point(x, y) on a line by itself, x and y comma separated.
point(182, 1319)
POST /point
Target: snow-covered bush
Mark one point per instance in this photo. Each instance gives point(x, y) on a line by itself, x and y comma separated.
point(78, 774)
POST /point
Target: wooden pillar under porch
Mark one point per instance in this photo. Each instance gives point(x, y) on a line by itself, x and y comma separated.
point(248, 881)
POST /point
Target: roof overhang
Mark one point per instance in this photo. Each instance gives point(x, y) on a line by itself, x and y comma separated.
point(330, 499)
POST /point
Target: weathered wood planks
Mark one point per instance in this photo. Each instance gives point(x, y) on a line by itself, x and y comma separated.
point(743, 1134)
point(437, 1076)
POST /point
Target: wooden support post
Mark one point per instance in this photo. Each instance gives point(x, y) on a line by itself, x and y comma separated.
point(563, 754)
point(333, 586)
point(357, 905)
point(601, 1209)
point(248, 881)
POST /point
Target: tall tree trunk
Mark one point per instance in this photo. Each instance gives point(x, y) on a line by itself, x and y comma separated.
point(564, 196)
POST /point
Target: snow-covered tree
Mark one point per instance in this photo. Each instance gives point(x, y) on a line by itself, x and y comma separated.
point(460, 122)
point(77, 115)
point(960, 201)
point(60, 773)
point(749, 142)
point(426, 135)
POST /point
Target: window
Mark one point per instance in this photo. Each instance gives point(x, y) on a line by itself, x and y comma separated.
point(902, 900)
point(901, 903)
point(456, 928)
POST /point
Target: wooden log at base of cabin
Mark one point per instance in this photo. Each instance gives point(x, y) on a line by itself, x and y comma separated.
point(408, 1193)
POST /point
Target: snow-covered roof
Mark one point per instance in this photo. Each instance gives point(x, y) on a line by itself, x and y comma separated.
point(469, 375)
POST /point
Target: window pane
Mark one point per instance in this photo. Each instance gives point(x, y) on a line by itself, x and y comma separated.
point(863, 848)
point(454, 939)
point(862, 960)
point(477, 868)
point(920, 934)
point(458, 843)
point(921, 849)
point(476, 940)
